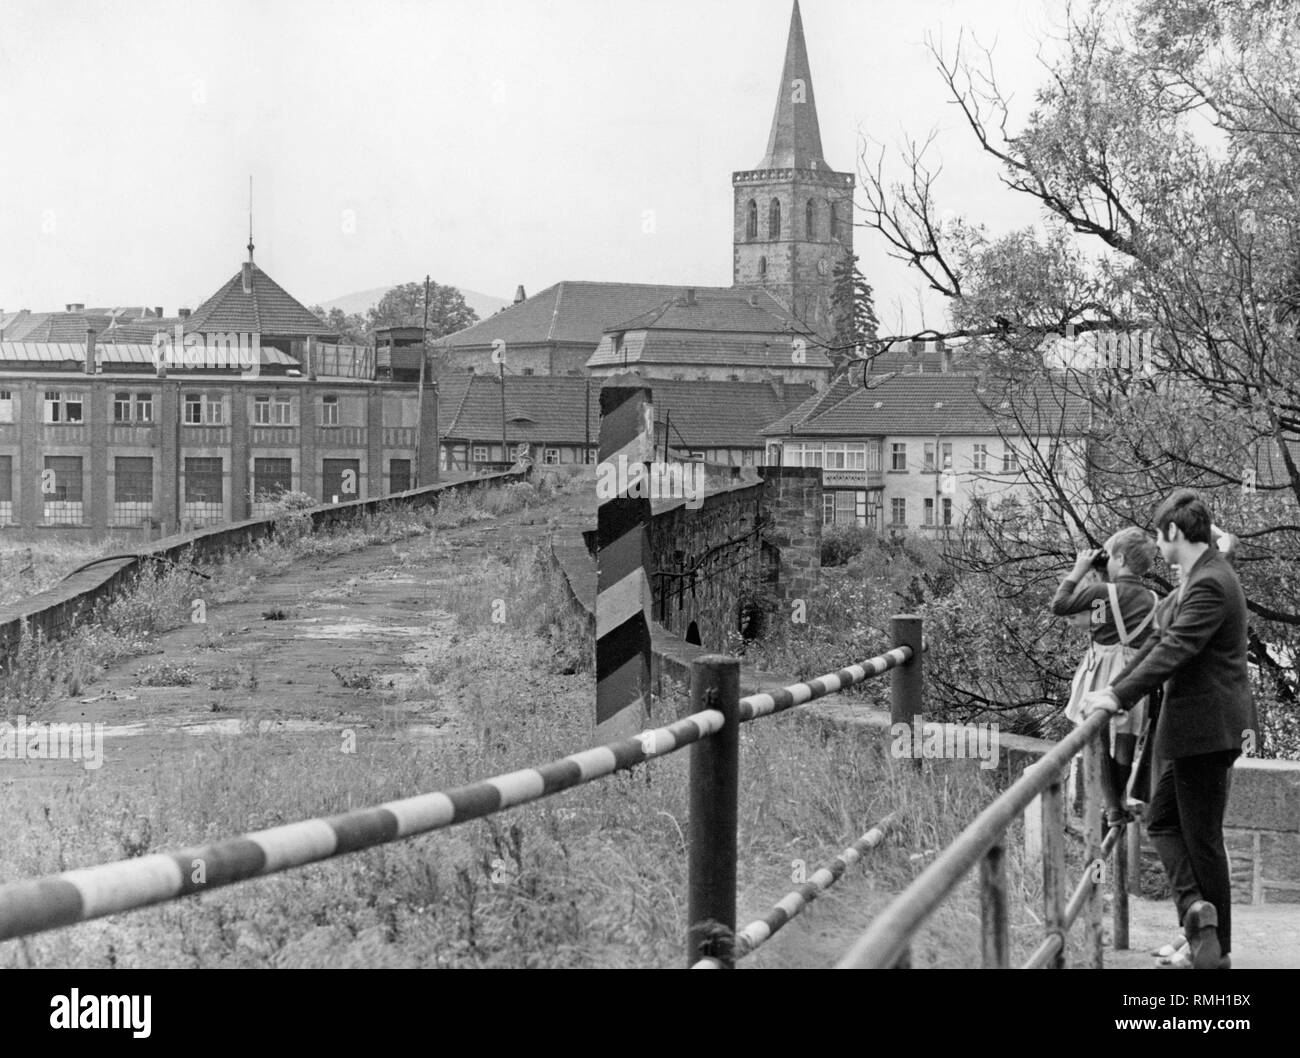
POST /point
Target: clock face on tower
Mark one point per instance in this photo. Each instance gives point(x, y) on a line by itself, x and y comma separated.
point(821, 267)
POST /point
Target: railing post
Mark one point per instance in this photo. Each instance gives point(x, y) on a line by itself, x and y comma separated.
point(714, 778)
point(1092, 837)
point(1054, 866)
point(1133, 838)
point(1119, 893)
point(995, 940)
point(906, 681)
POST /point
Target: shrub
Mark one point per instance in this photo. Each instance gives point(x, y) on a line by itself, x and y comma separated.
point(841, 543)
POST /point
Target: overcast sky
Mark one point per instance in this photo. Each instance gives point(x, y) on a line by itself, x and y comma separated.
point(485, 143)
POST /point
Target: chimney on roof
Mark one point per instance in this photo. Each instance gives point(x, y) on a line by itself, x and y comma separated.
point(157, 311)
point(309, 355)
point(90, 350)
point(690, 295)
point(75, 306)
point(519, 294)
point(753, 299)
point(183, 313)
point(778, 387)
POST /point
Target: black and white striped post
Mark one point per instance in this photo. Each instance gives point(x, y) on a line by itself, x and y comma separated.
point(623, 596)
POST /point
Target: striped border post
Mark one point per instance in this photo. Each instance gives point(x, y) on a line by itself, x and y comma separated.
point(623, 596)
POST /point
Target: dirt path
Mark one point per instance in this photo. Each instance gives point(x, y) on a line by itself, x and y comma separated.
point(340, 643)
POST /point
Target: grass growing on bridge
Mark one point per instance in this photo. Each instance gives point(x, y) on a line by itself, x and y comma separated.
point(595, 876)
point(162, 597)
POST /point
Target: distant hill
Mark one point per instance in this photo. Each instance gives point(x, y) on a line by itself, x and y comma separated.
point(484, 304)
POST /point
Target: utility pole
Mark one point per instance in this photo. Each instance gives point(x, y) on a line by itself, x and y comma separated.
point(419, 400)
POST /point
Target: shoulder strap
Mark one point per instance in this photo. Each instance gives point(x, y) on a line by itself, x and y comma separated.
point(1114, 608)
point(1155, 601)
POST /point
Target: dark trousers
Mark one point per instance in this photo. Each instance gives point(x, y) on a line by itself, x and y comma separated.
point(1185, 822)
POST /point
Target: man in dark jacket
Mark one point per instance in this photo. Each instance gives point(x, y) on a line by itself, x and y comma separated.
point(1208, 713)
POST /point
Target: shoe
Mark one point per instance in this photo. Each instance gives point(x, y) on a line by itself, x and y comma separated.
point(1172, 948)
point(1201, 924)
point(1180, 961)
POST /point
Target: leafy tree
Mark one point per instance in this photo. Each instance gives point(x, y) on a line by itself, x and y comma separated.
point(351, 327)
point(1163, 151)
point(403, 306)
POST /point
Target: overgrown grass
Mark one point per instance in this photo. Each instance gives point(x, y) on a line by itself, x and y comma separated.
point(163, 597)
point(595, 876)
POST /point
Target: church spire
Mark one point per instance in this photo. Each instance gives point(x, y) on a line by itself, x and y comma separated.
point(796, 139)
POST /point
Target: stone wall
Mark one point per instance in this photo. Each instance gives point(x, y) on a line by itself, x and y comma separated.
point(755, 540)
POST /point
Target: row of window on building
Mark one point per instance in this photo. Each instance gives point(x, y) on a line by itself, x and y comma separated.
point(131, 487)
point(864, 508)
point(849, 455)
point(835, 220)
point(199, 409)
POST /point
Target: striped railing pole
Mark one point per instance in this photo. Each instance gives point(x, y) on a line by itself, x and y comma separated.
point(623, 595)
point(714, 792)
point(760, 931)
point(37, 904)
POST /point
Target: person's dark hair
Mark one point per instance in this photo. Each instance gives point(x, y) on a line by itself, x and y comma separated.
point(1186, 510)
point(1136, 548)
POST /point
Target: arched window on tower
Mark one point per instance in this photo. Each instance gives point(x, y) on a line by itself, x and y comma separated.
point(835, 222)
point(774, 219)
point(751, 220)
point(810, 220)
point(762, 266)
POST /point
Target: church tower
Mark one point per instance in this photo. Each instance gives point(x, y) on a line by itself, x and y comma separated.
point(793, 213)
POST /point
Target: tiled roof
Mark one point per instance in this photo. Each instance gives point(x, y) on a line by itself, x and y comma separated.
point(738, 350)
point(139, 330)
point(904, 404)
point(718, 414)
point(539, 408)
point(727, 312)
point(53, 326)
point(269, 310)
point(550, 409)
point(572, 311)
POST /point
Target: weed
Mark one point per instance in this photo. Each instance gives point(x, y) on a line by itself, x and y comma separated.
point(166, 674)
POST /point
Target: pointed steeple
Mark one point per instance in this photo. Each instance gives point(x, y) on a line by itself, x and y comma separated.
point(796, 139)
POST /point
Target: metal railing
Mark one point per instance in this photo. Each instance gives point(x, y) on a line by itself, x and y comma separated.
point(887, 942)
point(34, 905)
point(712, 730)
